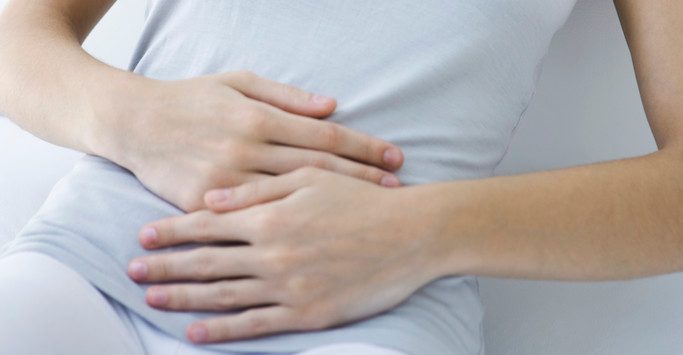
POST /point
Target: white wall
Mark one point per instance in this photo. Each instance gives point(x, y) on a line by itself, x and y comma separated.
point(586, 109)
point(587, 106)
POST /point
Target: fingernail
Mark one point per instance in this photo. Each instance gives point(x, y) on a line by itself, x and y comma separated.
point(390, 181)
point(157, 296)
point(217, 196)
point(149, 236)
point(198, 333)
point(137, 270)
point(392, 157)
point(321, 100)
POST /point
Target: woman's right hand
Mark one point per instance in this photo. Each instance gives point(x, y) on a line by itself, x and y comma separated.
point(183, 138)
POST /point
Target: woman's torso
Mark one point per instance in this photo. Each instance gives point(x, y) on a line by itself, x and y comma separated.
point(446, 80)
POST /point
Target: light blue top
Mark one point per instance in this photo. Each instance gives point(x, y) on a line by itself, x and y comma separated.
point(446, 80)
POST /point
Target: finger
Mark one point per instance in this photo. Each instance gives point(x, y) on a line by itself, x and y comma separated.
point(234, 179)
point(259, 192)
point(228, 179)
point(201, 264)
point(282, 96)
point(197, 227)
point(297, 131)
point(217, 296)
point(248, 324)
point(282, 159)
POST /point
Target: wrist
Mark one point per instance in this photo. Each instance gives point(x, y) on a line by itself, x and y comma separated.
point(113, 113)
point(449, 221)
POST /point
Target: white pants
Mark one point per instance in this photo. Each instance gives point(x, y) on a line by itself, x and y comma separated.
point(48, 308)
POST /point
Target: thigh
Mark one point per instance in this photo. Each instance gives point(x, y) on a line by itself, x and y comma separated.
point(50, 309)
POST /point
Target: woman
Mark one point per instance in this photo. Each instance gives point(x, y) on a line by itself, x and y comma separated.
point(316, 255)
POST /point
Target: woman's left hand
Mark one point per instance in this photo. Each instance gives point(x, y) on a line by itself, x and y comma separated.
point(314, 249)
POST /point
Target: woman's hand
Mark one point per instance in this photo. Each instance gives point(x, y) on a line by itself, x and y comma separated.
point(327, 249)
point(182, 138)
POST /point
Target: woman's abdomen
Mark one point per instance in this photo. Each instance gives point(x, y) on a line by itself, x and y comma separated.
point(91, 220)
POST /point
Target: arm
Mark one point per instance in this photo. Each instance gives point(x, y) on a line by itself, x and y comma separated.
point(41, 61)
point(615, 220)
point(233, 127)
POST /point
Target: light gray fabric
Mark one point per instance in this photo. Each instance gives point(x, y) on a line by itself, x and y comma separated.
point(445, 80)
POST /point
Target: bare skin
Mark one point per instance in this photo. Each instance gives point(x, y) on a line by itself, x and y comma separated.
point(210, 132)
point(325, 249)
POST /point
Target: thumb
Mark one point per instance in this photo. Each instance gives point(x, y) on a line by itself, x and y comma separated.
point(282, 96)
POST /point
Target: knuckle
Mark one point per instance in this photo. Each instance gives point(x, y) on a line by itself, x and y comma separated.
point(178, 297)
point(324, 322)
point(372, 174)
point(314, 323)
point(257, 325)
point(287, 91)
point(243, 76)
point(312, 319)
point(252, 190)
point(330, 134)
point(206, 173)
point(201, 224)
point(166, 229)
point(277, 261)
point(321, 316)
point(226, 297)
point(298, 286)
point(308, 172)
point(293, 92)
point(321, 160)
point(373, 150)
point(253, 120)
point(158, 268)
point(216, 103)
point(234, 154)
point(188, 201)
point(265, 222)
point(203, 264)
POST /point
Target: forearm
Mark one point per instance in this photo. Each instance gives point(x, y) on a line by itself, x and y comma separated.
point(612, 220)
point(48, 84)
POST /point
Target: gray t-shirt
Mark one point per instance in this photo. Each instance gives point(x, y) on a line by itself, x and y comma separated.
point(446, 80)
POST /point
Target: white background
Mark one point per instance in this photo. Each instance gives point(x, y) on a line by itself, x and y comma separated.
point(586, 109)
